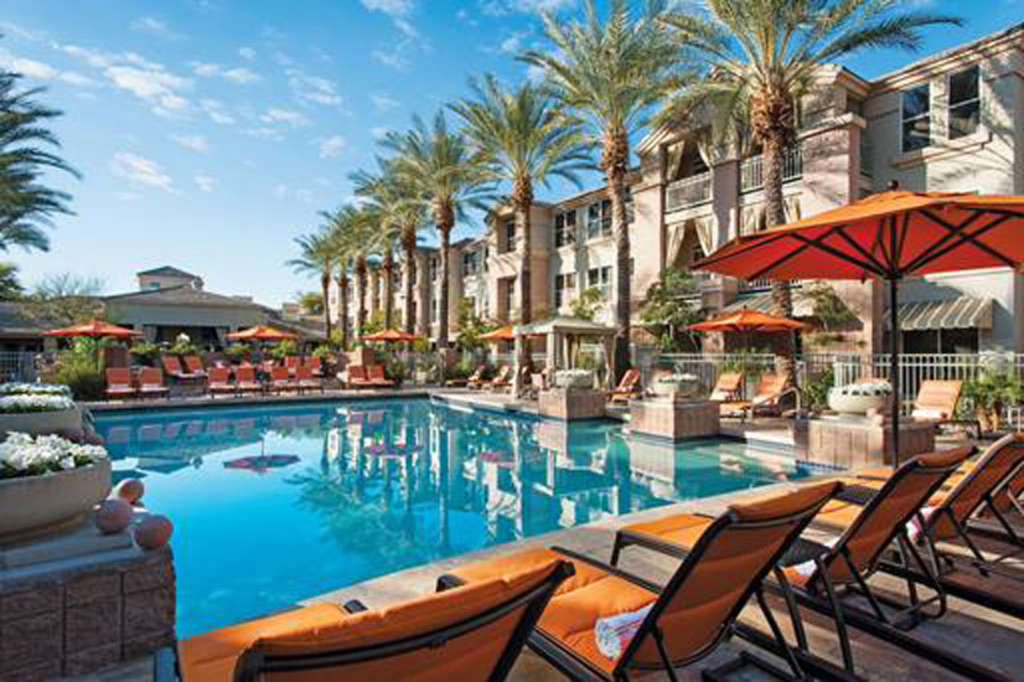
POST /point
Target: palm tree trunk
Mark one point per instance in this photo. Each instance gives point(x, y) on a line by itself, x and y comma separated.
point(522, 199)
point(343, 302)
point(445, 230)
point(389, 285)
point(361, 296)
point(409, 251)
point(325, 290)
point(615, 156)
point(782, 302)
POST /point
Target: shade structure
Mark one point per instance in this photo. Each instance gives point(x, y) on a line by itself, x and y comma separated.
point(746, 321)
point(390, 335)
point(261, 333)
point(887, 236)
point(95, 329)
point(500, 334)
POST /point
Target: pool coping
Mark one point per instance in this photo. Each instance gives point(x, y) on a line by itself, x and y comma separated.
point(191, 403)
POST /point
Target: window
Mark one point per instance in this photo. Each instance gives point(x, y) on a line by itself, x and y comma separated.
point(599, 219)
point(508, 229)
point(487, 254)
point(565, 228)
point(630, 205)
point(510, 295)
point(964, 103)
point(153, 285)
point(434, 263)
point(433, 310)
point(470, 262)
point(564, 283)
point(600, 279)
point(916, 117)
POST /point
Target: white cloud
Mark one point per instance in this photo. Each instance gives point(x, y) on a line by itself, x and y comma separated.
point(196, 143)
point(36, 69)
point(158, 87)
point(153, 26)
point(512, 44)
point(283, 191)
point(280, 115)
point(390, 7)
point(534, 73)
point(315, 89)
point(379, 132)
point(502, 7)
point(141, 170)
point(205, 183)
point(216, 111)
point(392, 58)
point(239, 75)
point(247, 53)
point(384, 101)
point(331, 147)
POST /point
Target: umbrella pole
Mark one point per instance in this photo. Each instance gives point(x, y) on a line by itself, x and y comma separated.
point(894, 369)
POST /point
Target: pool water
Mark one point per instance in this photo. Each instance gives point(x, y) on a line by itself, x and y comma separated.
point(274, 504)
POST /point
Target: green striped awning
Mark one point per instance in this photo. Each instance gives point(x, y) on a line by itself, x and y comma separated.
point(803, 306)
point(962, 312)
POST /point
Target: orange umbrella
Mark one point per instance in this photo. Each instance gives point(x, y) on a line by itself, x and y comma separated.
point(95, 329)
point(500, 334)
point(261, 333)
point(390, 335)
point(748, 321)
point(887, 236)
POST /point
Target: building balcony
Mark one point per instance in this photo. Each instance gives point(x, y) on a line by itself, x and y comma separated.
point(690, 191)
point(752, 169)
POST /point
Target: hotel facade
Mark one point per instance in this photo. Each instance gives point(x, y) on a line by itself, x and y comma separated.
point(953, 121)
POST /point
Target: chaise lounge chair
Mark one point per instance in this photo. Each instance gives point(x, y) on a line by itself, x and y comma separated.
point(195, 366)
point(173, 368)
point(936, 402)
point(280, 380)
point(771, 389)
point(245, 380)
point(501, 379)
point(356, 376)
point(473, 633)
point(219, 381)
point(151, 383)
point(476, 379)
point(688, 618)
point(119, 383)
point(375, 377)
point(814, 573)
point(727, 388)
point(629, 387)
point(305, 380)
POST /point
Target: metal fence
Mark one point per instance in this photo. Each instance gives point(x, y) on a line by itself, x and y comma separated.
point(17, 366)
point(752, 169)
point(688, 191)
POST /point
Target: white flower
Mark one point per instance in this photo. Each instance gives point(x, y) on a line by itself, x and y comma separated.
point(22, 388)
point(31, 402)
point(21, 452)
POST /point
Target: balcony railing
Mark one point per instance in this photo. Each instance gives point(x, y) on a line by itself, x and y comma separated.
point(752, 169)
point(688, 191)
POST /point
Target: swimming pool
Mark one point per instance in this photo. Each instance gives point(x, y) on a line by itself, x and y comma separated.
point(273, 504)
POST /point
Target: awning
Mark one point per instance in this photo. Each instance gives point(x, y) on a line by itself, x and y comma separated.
point(803, 306)
point(962, 312)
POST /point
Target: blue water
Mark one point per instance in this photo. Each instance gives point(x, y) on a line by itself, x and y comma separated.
point(274, 504)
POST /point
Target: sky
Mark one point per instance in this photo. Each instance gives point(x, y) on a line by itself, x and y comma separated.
point(210, 133)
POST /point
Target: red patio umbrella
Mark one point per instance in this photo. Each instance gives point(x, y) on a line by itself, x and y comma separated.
point(261, 333)
point(96, 329)
point(747, 321)
point(887, 236)
point(390, 336)
point(500, 334)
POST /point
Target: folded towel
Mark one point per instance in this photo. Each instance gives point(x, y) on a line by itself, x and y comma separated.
point(614, 633)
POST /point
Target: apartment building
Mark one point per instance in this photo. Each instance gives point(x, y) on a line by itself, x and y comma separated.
point(948, 122)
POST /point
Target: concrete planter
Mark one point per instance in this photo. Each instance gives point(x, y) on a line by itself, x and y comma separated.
point(38, 505)
point(41, 423)
point(855, 400)
point(571, 404)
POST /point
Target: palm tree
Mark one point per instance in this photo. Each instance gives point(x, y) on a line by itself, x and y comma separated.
point(525, 140)
point(446, 177)
point(399, 218)
point(759, 57)
point(27, 205)
point(344, 244)
point(316, 256)
point(610, 73)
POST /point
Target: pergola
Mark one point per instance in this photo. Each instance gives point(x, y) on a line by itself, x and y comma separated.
point(562, 335)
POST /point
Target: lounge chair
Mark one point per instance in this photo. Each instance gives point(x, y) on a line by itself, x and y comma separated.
point(245, 380)
point(771, 389)
point(356, 376)
point(280, 380)
point(173, 368)
point(501, 379)
point(195, 366)
point(219, 381)
point(151, 383)
point(936, 402)
point(473, 633)
point(727, 388)
point(315, 365)
point(292, 362)
point(375, 377)
point(119, 383)
point(305, 381)
point(813, 572)
point(476, 379)
point(688, 618)
point(629, 387)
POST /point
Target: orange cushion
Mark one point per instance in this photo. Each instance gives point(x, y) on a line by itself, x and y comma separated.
point(680, 529)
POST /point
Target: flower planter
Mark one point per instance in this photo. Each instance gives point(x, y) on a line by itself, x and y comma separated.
point(36, 423)
point(578, 379)
point(38, 505)
point(859, 398)
point(676, 387)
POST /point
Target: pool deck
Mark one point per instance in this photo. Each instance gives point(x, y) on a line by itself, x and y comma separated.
point(989, 637)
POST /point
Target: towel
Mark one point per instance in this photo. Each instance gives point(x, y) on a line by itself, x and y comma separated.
point(915, 526)
point(614, 633)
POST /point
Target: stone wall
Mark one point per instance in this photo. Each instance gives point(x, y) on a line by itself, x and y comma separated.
point(75, 620)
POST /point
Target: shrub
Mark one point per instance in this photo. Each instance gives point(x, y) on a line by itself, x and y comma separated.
point(322, 351)
point(816, 391)
point(145, 351)
point(81, 374)
point(394, 369)
point(285, 348)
